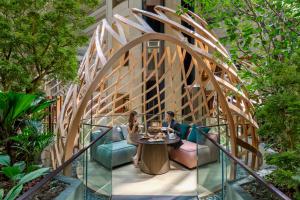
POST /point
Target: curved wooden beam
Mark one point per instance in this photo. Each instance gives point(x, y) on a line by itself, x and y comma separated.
point(74, 124)
point(102, 71)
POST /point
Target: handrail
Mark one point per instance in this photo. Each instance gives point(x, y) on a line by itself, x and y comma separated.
point(270, 186)
point(51, 175)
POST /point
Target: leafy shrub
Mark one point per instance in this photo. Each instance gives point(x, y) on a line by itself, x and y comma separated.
point(31, 143)
point(16, 112)
point(286, 176)
point(17, 174)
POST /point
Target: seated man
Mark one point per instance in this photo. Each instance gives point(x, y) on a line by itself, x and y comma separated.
point(172, 126)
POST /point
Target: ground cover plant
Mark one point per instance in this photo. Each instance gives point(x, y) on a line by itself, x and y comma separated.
point(17, 175)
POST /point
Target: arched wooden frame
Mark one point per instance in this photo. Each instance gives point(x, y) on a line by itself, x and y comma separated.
point(96, 69)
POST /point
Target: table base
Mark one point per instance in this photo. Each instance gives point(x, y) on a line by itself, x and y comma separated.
point(155, 159)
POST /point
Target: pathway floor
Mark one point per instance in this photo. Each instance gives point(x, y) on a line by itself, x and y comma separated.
point(130, 181)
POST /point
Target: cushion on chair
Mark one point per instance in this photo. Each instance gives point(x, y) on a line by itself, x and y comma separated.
point(188, 156)
point(124, 131)
point(188, 146)
point(117, 134)
point(192, 137)
point(197, 137)
point(104, 140)
point(114, 154)
point(184, 128)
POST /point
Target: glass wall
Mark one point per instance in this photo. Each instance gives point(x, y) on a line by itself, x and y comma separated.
point(103, 163)
point(227, 177)
point(78, 178)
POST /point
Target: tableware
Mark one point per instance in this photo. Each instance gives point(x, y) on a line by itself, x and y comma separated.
point(172, 136)
point(145, 137)
point(164, 128)
point(156, 140)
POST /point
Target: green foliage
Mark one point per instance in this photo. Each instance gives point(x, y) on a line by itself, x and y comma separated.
point(1, 193)
point(31, 143)
point(14, 173)
point(17, 174)
point(39, 41)
point(288, 160)
point(4, 160)
point(16, 110)
point(16, 190)
point(286, 176)
point(279, 112)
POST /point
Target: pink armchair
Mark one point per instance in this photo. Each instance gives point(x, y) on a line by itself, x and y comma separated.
point(187, 153)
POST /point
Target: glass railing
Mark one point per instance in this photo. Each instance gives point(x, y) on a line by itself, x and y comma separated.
point(153, 176)
point(227, 177)
point(72, 180)
point(203, 168)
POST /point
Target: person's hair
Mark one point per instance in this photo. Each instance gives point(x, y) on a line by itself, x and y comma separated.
point(171, 113)
point(130, 120)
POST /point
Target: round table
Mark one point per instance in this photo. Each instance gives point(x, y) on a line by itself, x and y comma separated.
point(155, 158)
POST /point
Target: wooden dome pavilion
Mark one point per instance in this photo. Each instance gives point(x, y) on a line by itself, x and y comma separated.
point(118, 72)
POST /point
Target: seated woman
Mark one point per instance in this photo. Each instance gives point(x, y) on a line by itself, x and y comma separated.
point(133, 129)
point(172, 126)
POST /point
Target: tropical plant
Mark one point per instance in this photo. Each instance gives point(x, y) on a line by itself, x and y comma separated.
point(17, 174)
point(17, 189)
point(39, 40)
point(31, 143)
point(16, 110)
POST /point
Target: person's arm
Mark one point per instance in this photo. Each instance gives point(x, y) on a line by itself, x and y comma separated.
point(135, 125)
point(171, 126)
point(131, 131)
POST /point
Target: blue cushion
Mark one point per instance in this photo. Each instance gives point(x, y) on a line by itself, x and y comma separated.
point(184, 131)
point(115, 154)
point(197, 137)
point(117, 134)
point(104, 140)
point(124, 131)
point(107, 138)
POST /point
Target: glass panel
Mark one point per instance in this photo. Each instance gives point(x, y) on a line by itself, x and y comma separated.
point(97, 164)
point(240, 184)
point(212, 168)
point(222, 177)
point(106, 168)
point(88, 176)
point(168, 178)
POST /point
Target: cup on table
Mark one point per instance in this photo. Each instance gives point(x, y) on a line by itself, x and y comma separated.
point(141, 129)
point(172, 135)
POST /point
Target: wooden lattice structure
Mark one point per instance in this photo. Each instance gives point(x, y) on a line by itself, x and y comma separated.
point(117, 77)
